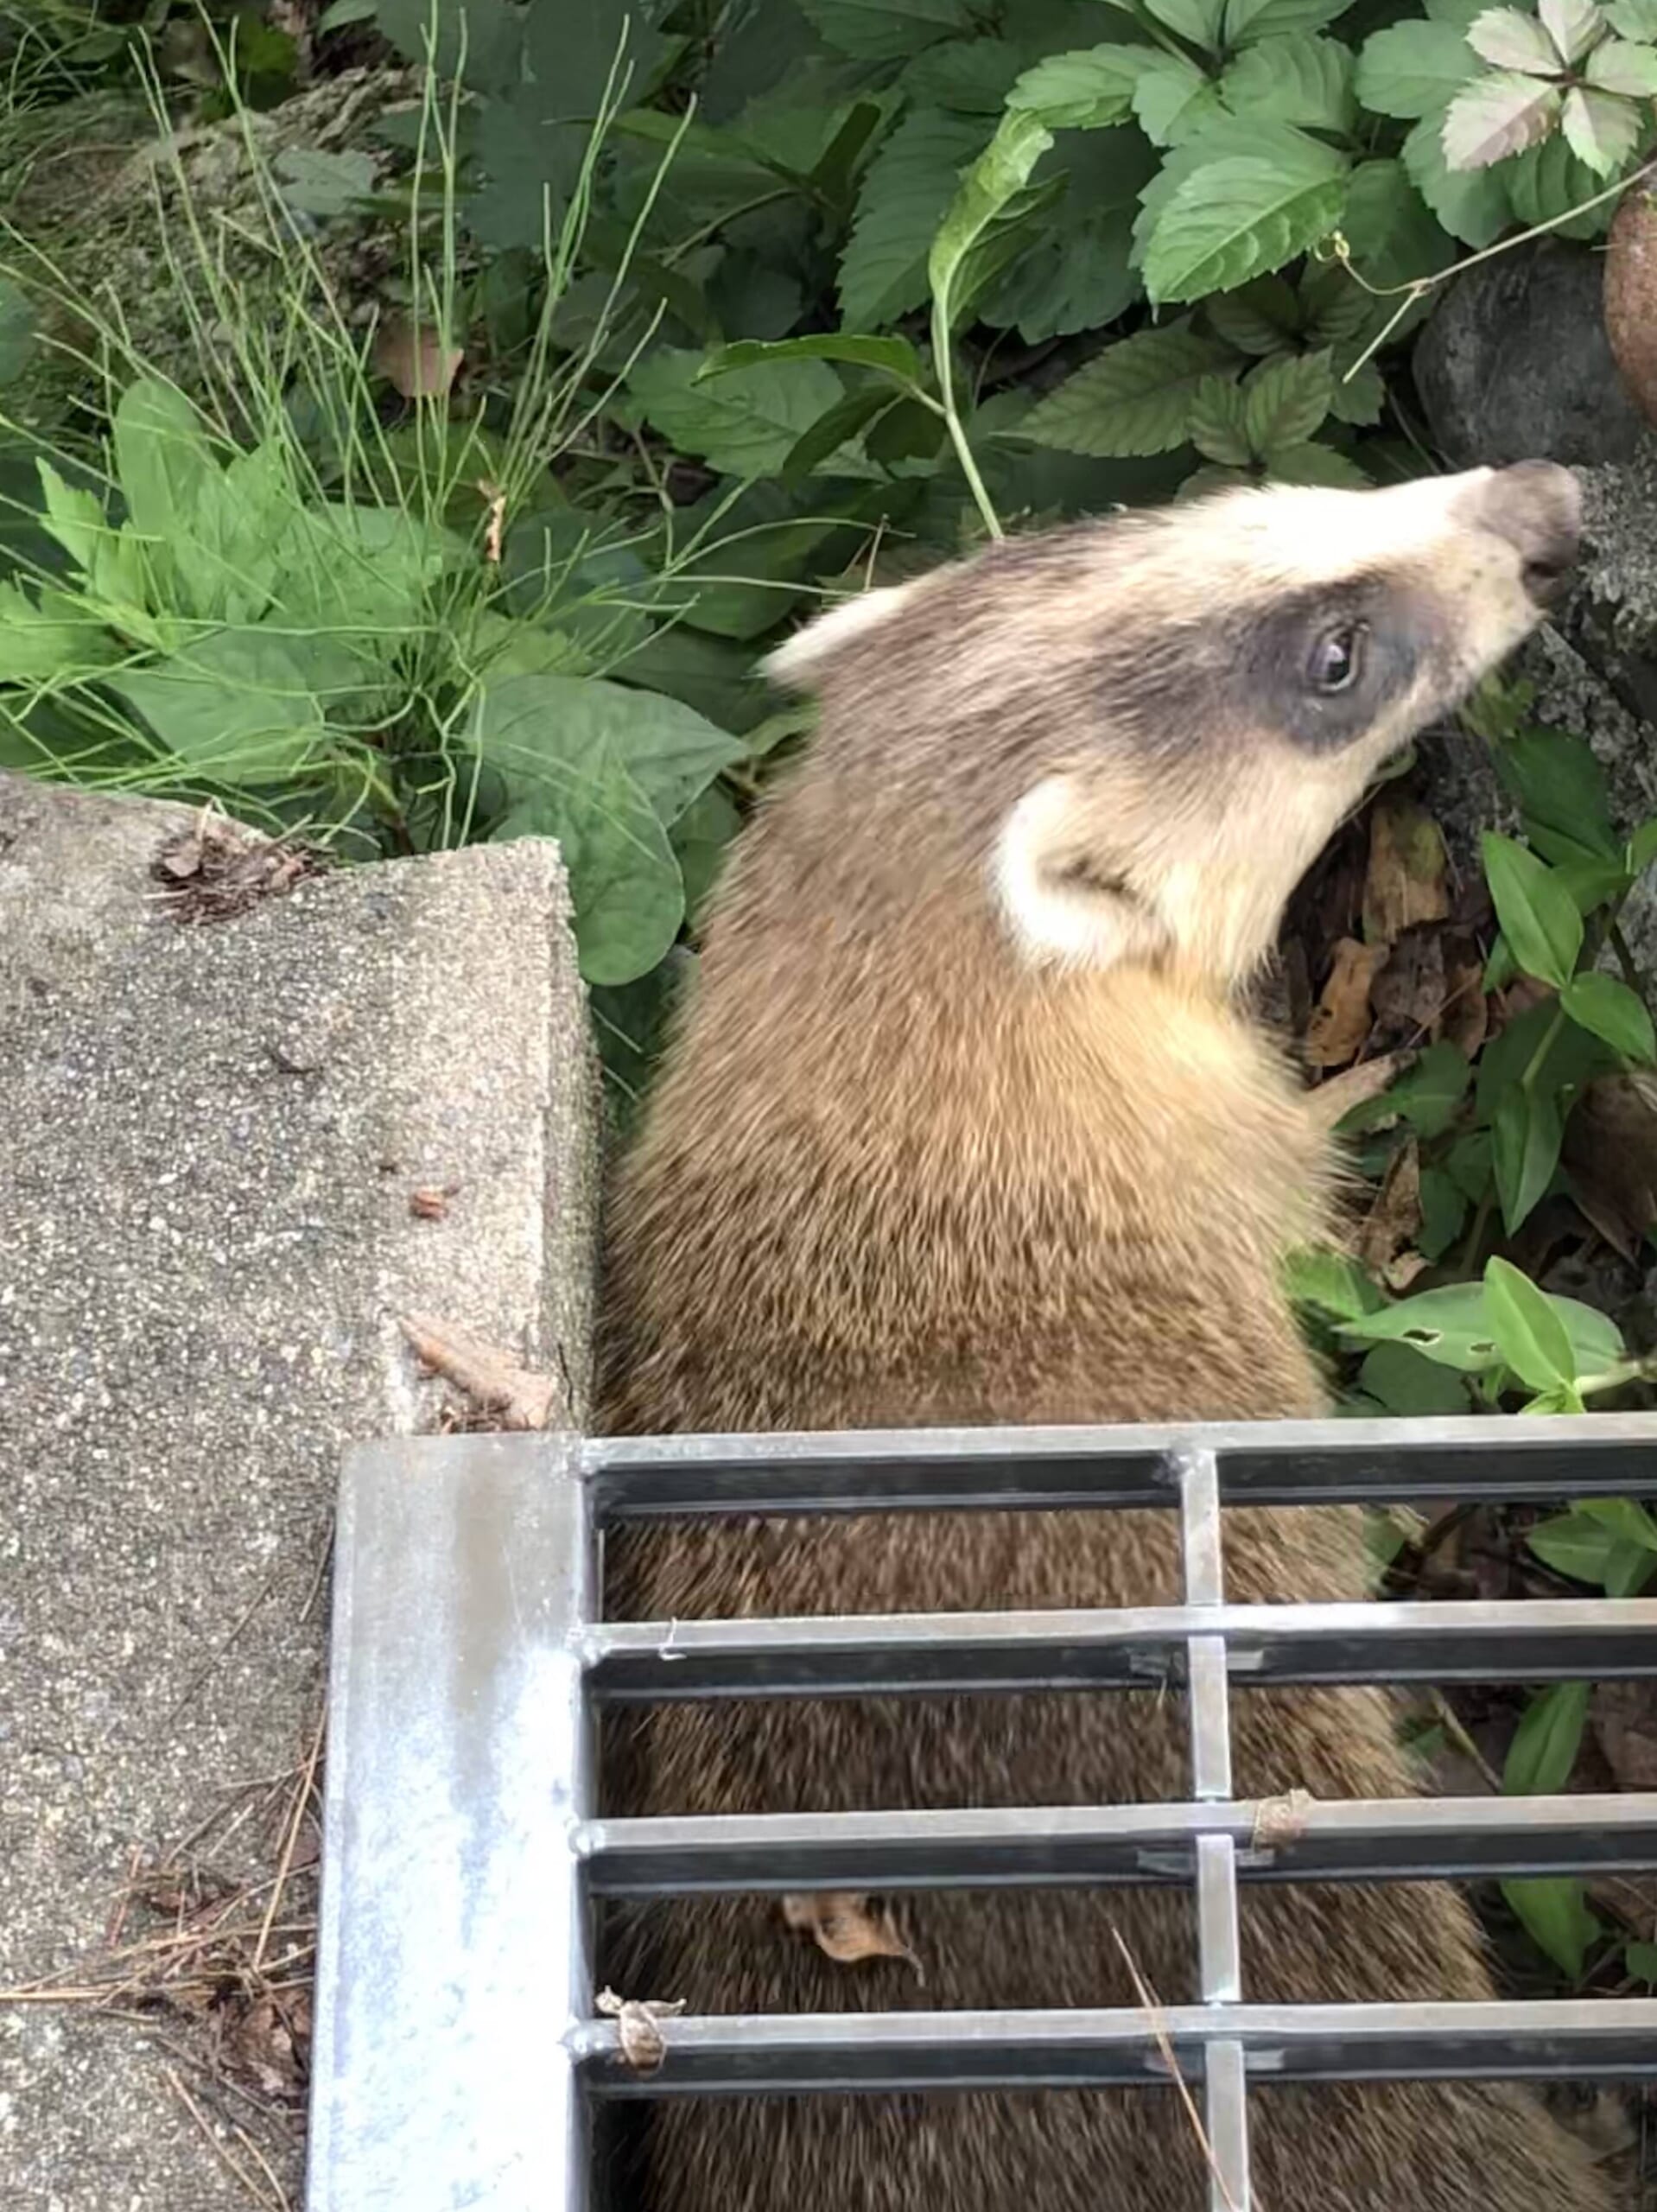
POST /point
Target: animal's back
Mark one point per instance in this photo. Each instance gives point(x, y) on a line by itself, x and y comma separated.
point(894, 1176)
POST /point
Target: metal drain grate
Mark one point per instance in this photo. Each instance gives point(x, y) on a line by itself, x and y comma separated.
point(457, 2049)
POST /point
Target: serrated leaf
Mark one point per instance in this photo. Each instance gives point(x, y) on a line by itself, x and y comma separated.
point(1171, 98)
point(1600, 129)
point(1609, 1009)
point(1309, 462)
point(1082, 90)
point(1414, 69)
point(1216, 425)
point(975, 75)
point(745, 423)
point(1546, 1741)
point(1539, 917)
point(895, 357)
point(1525, 1136)
point(1395, 237)
point(1508, 40)
point(905, 194)
point(1286, 401)
point(984, 197)
point(1225, 137)
point(1548, 183)
point(1618, 66)
point(1197, 21)
point(1264, 317)
point(1497, 115)
point(886, 30)
point(1132, 398)
point(1248, 22)
point(1634, 19)
point(1235, 220)
point(1305, 80)
point(1529, 1334)
point(1358, 399)
point(1573, 26)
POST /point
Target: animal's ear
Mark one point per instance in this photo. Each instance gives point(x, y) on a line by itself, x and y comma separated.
point(1060, 894)
point(799, 662)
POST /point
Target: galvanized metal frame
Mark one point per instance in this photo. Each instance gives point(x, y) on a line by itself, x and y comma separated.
point(457, 2048)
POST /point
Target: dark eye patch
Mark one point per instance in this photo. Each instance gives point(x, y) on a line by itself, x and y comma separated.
point(1284, 654)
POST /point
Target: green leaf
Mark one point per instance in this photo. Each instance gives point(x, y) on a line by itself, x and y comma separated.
point(1264, 317)
point(1358, 396)
point(1472, 204)
point(886, 30)
point(16, 330)
point(1134, 397)
point(1629, 1522)
point(975, 75)
point(1643, 845)
point(1450, 1327)
point(1529, 1334)
point(1394, 236)
point(894, 357)
point(1617, 66)
point(1216, 424)
point(1248, 22)
point(1172, 98)
point(55, 636)
point(1573, 26)
point(1555, 1913)
point(700, 839)
point(1600, 129)
point(744, 423)
point(1547, 183)
point(1444, 1210)
point(1558, 782)
point(1507, 39)
point(1303, 80)
point(536, 725)
point(1634, 19)
point(1612, 1011)
point(1286, 401)
point(338, 13)
point(829, 435)
point(1328, 1283)
point(1538, 915)
point(1405, 1384)
point(1527, 1134)
point(324, 184)
point(1235, 220)
point(1198, 21)
point(1312, 462)
point(1546, 1743)
point(1413, 70)
point(987, 189)
point(1082, 90)
point(905, 192)
point(1574, 1544)
point(1427, 1096)
point(1640, 1959)
point(242, 705)
point(1497, 115)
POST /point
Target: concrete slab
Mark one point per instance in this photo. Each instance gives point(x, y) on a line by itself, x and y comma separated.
point(212, 1138)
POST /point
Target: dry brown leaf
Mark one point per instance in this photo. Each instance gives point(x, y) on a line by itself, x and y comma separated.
point(1610, 1149)
point(1407, 995)
point(638, 2025)
point(1393, 1219)
point(1355, 1086)
point(1341, 1020)
point(1406, 881)
point(1467, 1011)
point(1625, 1725)
point(848, 1926)
point(414, 360)
point(495, 1383)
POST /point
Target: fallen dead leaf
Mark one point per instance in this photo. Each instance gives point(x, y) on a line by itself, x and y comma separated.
point(1407, 995)
point(1624, 1716)
point(1355, 1086)
point(414, 360)
point(1611, 1150)
point(1393, 1220)
point(1406, 881)
point(848, 1926)
point(637, 2024)
point(1341, 1020)
point(1467, 1011)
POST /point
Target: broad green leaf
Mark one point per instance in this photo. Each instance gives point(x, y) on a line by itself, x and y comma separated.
point(1558, 782)
point(989, 187)
point(1546, 1743)
point(1617, 66)
point(242, 706)
point(1172, 98)
point(894, 357)
point(1556, 1915)
point(538, 725)
point(1634, 19)
point(1358, 396)
point(1629, 1522)
point(1330, 1283)
point(1082, 91)
point(1472, 204)
point(1426, 1096)
point(1643, 845)
point(1538, 915)
point(1509, 39)
point(1444, 1210)
point(1313, 462)
point(1573, 26)
point(904, 194)
point(178, 503)
point(1216, 424)
point(1612, 1011)
point(1640, 1959)
point(1600, 129)
point(1530, 1335)
point(16, 330)
point(1134, 397)
point(1394, 236)
point(886, 30)
point(493, 39)
point(1574, 1544)
point(53, 636)
point(856, 412)
point(324, 184)
point(974, 75)
point(1248, 22)
point(1497, 115)
point(1450, 1327)
point(1198, 21)
point(1286, 401)
point(1235, 220)
point(1078, 272)
point(1400, 1380)
point(1414, 69)
point(1264, 317)
point(700, 839)
point(1547, 183)
point(1304, 81)
point(745, 423)
point(1526, 1134)
point(1225, 138)
point(75, 517)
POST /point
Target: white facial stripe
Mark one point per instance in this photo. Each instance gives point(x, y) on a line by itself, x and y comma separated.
point(797, 661)
point(1311, 534)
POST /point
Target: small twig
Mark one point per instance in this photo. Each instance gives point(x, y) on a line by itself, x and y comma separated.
point(1151, 2004)
point(302, 1803)
point(218, 2149)
point(1451, 1724)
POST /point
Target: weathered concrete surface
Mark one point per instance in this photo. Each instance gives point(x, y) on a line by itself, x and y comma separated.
point(210, 1141)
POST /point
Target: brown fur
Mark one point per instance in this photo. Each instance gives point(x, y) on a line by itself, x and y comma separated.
point(898, 1172)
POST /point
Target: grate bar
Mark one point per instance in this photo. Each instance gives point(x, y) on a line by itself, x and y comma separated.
point(1540, 1457)
point(788, 2053)
point(1525, 1640)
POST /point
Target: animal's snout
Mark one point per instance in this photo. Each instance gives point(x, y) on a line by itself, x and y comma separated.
point(1538, 508)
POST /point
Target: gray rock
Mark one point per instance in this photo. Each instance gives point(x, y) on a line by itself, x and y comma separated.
point(206, 1240)
point(1514, 365)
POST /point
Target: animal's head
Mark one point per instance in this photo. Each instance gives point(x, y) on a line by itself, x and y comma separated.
point(1132, 737)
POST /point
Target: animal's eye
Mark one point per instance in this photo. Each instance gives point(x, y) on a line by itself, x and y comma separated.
point(1336, 658)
